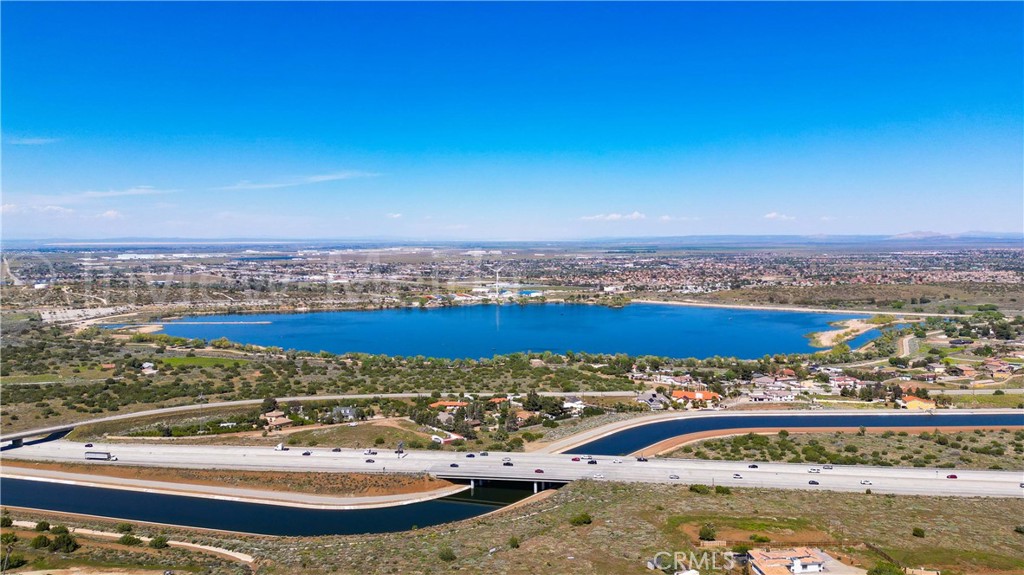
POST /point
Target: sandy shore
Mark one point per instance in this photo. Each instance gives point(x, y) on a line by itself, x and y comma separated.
point(695, 303)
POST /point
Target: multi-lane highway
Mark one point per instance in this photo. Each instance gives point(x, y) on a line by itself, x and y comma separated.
point(544, 467)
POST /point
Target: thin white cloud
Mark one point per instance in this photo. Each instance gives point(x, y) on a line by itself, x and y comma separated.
point(303, 181)
point(59, 210)
point(133, 191)
point(828, 218)
point(392, 216)
point(667, 218)
point(110, 215)
point(30, 141)
point(778, 217)
point(614, 217)
point(9, 209)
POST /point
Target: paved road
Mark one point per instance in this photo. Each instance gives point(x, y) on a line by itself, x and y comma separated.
point(1008, 391)
point(555, 467)
point(38, 432)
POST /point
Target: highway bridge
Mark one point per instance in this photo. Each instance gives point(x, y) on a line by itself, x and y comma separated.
point(543, 468)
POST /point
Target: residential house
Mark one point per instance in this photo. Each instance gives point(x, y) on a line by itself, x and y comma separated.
point(275, 419)
point(652, 399)
point(791, 561)
point(772, 395)
point(689, 397)
point(573, 405)
point(343, 413)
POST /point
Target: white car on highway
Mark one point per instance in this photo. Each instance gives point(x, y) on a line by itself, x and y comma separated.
point(865, 482)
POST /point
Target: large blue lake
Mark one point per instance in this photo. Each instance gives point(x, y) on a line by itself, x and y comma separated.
point(483, 331)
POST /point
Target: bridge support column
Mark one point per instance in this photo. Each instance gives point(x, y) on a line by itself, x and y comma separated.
point(472, 484)
point(535, 487)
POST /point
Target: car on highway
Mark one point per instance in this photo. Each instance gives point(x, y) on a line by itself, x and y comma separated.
point(307, 453)
point(616, 461)
point(737, 476)
point(673, 476)
point(598, 476)
point(592, 462)
point(813, 482)
point(336, 450)
point(470, 455)
point(826, 467)
point(575, 458)
point(369, 461)
point(453, 465)
point(752, 466)
point(369, 452)
point(506, 459)
point(507, 463)
point(538, 471)
point(641, 459)
point(951, 476)
point(88, 445)
point(865, 482)
point(587, 456)
point(1022, 485)
point(484, 454)
point(814, 470)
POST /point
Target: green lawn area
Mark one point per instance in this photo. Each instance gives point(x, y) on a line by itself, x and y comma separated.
point(203, 361)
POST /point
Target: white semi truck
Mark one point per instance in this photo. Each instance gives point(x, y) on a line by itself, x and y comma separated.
point(100, 456)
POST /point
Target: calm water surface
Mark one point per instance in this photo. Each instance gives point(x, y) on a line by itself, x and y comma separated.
point(483, 331)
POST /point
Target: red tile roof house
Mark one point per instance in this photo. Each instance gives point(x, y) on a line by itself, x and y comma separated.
point(687, 397)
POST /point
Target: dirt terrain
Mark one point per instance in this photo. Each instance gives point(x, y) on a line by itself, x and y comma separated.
point(300, 482)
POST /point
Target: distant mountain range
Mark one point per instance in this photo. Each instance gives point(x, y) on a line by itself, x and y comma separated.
point(909, 240)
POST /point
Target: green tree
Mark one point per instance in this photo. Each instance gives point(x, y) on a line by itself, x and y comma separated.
point(707, 532)
point(40, 542)
point(64, 543)
point(159, 542)
point(43, 526)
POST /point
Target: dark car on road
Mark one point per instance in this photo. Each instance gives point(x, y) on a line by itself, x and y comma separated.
point(507, 464)
point(813, 482)
point(307, 453)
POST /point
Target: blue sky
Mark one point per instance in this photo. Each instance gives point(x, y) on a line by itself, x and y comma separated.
point(510, 121)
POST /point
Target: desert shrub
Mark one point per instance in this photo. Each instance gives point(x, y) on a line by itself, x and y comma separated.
point(130, 540)
point(581, 519)
point(40, 542)
point(43, 526)
point(918, 532)
point(158, 542)
point(64, 543)
point(446, 554)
